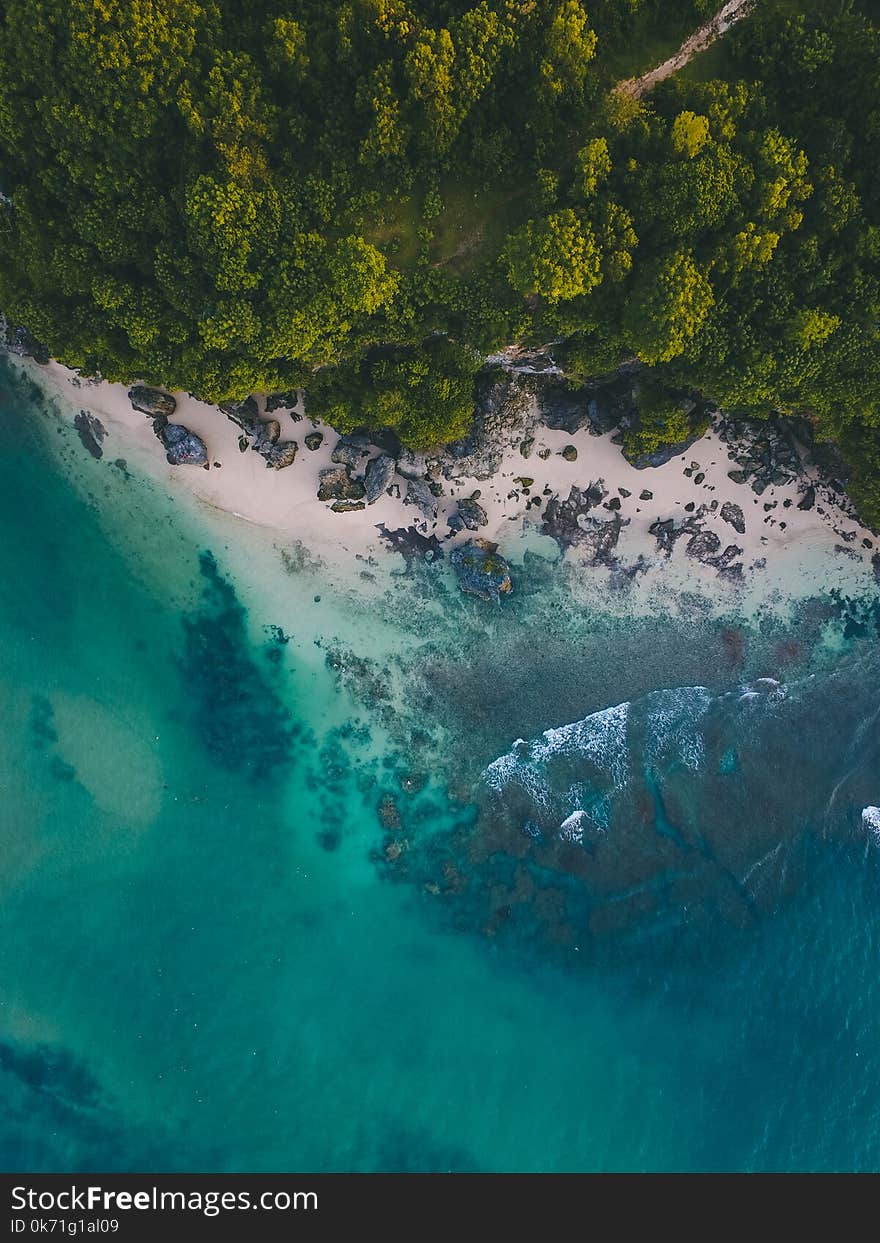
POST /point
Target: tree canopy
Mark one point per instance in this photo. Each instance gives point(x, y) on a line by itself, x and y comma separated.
point(362, 197)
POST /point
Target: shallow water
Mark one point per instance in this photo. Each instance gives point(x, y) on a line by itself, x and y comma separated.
point(215, 956)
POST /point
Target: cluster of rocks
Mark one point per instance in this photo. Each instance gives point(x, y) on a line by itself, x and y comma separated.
point(767, 453)
point(702, 545)
point(340, 485)
point(263, 436)
point(572, 525)
point(182, 447)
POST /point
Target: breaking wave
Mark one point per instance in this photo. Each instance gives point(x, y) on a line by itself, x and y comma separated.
point(687, 782)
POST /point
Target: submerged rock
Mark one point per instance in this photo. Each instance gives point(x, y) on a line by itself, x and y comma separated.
point(91, 432)
point(389, 815)
point(378, 476)
point(411, 544)
point(184, 447)
point(152, 401)
point(481, 571)
point(336, 484)
point(734, 515)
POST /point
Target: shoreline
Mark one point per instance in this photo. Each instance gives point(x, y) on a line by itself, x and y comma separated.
point(784, 549)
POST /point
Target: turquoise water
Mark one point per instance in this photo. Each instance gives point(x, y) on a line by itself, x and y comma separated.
point(215, 956)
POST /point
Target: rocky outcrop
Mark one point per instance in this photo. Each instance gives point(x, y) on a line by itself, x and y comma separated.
point(481, 571)
point(564, 519)
point(18, 341)
point(245, 413)
point(505, 415)
point(767, 452)
point(659, 457)
point(418, 493)
point(91, 432)
point(263, 436)
point(314, 440)
point(601, 406)
point(703, 545)
point(283, 401)
point(336, 484)
point(667, 532)
point(184, 448)
point(378, 476)
point(808, 500)
point(152, 401)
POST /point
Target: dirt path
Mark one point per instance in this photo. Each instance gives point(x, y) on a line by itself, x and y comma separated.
point(727, 16)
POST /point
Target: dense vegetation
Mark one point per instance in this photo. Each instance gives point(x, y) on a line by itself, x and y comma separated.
point(363, 196)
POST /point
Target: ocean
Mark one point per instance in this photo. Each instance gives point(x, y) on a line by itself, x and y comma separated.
point(286, 882)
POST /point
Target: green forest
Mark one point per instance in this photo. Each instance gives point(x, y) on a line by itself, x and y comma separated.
point(364, 198)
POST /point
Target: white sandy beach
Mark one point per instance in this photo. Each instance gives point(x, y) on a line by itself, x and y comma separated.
point(816, 549)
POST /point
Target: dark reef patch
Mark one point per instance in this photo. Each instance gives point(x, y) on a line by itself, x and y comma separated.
point(53, 1073)
point(237, 710)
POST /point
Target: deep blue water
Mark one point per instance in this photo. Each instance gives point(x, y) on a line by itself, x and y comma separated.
point(211, 959)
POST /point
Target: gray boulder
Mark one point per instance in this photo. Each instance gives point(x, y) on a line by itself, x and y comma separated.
point(184, 448)
point(481, 571)
point(418, 493)
point(152, 402)
point(472, 514)
point(314, 440)
point(378, 476)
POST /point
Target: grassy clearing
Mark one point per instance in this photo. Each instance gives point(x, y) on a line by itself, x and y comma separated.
point(471, 221)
